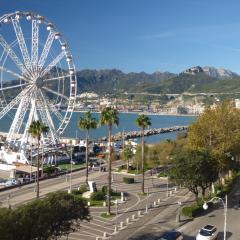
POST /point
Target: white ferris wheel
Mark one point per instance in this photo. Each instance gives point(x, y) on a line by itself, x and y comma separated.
point(37, 76)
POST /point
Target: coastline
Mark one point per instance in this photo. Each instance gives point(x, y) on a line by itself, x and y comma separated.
point(146, 113)
point(139, 112)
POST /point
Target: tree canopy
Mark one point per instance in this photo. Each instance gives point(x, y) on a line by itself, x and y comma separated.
point(50, 218)
point(143, 121)
point(109, 116)
point(87, 122)
point(37, 128)
point(194, 169)
point(218, 131)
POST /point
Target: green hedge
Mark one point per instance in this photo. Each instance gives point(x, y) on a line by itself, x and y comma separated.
point(192, 210)
point(97, 196)
point(83, 188)
point(128, 180)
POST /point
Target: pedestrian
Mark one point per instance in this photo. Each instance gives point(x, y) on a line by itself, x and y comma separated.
point(91, 165)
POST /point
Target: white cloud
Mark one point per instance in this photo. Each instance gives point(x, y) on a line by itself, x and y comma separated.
point(160, 35)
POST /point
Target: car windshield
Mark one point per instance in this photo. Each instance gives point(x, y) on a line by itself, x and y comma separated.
point(204, 232)
point(170, 236)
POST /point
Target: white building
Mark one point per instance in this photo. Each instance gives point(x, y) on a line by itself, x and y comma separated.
point(237, 103)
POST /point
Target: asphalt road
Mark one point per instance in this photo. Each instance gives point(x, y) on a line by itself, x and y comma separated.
point(25, 193)
point(148, 225)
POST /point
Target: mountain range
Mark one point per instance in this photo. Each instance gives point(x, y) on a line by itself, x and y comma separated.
point(112, 81)
point(194, 79)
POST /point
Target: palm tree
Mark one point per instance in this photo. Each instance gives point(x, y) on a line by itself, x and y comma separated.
point(36, 129)
point(127, 154)
point(109, 116)
point(87, 122)
point(143, 122)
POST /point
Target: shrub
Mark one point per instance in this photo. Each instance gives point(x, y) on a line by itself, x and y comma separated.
point(76, 192)
point(192, 210)
point(49, 169)
point(104, 189)
point(163, 174)
point(222, 190)
point(128, 180)
point(83, 188)
point(97, 196)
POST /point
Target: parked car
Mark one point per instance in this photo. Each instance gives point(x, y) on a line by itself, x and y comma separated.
point(96, 149)
point(12, 182)
point(172, 235)
point(77, 161)
point(96, 161)
point(208, 232)
point(2, 181)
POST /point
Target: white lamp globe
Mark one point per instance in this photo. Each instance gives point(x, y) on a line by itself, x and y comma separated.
point(205, 206)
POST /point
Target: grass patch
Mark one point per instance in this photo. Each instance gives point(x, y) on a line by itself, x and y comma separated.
point(128, 180)
point(105, 215)
point(95, 203)
point(97, 198)
point(163, 174)
point(142, 194)
point(67, 166)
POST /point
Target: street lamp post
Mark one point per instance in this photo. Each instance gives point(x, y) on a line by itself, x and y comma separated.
point(167, 187)
point(116, 210)
point(147, 200)
point(70, 180)
point(31, 162)
point(71, 171)
point(42, 162)
point(8, 199)
point(178, 212)
point(205, 207)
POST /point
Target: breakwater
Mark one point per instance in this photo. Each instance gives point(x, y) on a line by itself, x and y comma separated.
point(148, 132)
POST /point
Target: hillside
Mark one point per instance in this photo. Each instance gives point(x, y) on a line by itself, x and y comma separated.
point(195, 79)
point(115, 81)
point(182, 83)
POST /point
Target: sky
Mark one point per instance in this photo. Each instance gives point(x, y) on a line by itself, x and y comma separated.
point(144, 35)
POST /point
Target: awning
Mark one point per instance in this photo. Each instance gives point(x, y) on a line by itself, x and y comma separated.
point(26, 168)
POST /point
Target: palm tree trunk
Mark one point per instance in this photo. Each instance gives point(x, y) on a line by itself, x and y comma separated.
point(87, 134)
point(127, 164)
point(143, 157)
point(109, 169)
point(38, 163)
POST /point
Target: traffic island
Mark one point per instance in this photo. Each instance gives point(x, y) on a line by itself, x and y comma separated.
point(108, 216)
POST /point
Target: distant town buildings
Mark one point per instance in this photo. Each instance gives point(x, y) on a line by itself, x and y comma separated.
point(90, 101)
point(237, 103)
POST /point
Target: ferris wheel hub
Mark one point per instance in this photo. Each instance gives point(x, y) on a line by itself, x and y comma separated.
point(39, 83)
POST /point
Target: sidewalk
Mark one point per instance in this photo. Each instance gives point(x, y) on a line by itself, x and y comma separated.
point(158, 219)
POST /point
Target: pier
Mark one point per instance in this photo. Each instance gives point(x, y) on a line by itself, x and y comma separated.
point(147, 132)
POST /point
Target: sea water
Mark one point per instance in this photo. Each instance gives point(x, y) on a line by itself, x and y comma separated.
point(127, 123)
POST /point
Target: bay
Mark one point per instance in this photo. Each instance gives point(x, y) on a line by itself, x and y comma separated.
point(126, 123)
